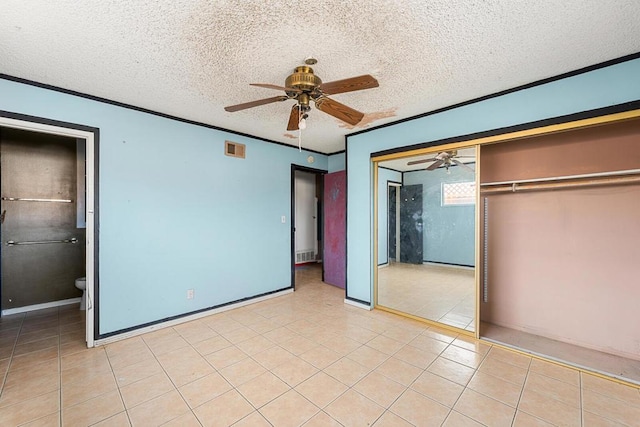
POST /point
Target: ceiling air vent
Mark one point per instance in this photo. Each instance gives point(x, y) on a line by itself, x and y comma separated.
point(234, 149)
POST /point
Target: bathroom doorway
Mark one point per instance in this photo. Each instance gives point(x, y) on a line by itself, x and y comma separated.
point(47, 219)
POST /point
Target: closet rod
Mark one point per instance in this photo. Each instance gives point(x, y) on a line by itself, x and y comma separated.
point(549, 185)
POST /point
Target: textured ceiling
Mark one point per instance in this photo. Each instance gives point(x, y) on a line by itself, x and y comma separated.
point(191, 58)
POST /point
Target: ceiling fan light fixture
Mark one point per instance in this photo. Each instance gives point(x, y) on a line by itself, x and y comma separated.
point(303, 124)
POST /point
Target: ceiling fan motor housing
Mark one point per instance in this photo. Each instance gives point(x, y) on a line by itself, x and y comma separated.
point(303, 79)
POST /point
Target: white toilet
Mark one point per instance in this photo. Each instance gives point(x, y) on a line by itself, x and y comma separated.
point(81, 284)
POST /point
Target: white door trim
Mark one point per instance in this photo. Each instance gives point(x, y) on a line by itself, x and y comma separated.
point(90, 202)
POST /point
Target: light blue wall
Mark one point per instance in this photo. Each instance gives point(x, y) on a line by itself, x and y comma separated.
point(384, 176)
point(175, 212)
point(337, 162)
point(596, 89)
point(449, 231)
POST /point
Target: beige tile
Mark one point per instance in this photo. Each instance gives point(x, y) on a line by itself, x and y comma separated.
point(463, 356)
point(472, 344)
point(295, 372)
point(280, 335)
point(51, 420)
point(523, 419)
point(437, 388)
point(211, 345)
point(29, 388)
point(239, 335)
point(419, 410)
point(321, 419)
point(79, 391)
point(440, 335)
point(255, 345)
point(611, 389)
point(159, 410)
point(30, 360)
point(503, 371)
point(456, 419)
point(389, 419)
point(403, 335)
point(166, 345)
point(321, 389)
point(510, 357)
point(428, 344)
point(71, 347)
point(224, 410)
point(320, 357)
point(342, 344)
point(567, 375)
point(484, 409)
point(263, 389)
point(204, 389)
point(380, 389)
point(255, 419)
point(93, 410)
point(226, 357)
point(298, 345)
point(37, 335)
point(399, 371)
point(242, 371)
point(195, 332)
point(416, 357)
point(118, 420)
point(36, 345)
point(31, 409)
point(184, 365)
point(84, 373)
point(611, 408)
point(496, 388)
point(124, 358)
point(559, 390)
point(368, 357)
point(290, 409)
point(136, 372)
point(186, 420)
point(451, 370)
point(91, 358)
point(360, 334)
point(347, 371)
point(354, 409)
point(145, 389)
point(385, 344)
point(593, 420)
point(275, 356)
point(548, 409)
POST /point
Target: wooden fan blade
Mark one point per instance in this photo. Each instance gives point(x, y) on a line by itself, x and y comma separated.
point(276, 87)
point(417, 162)
point(349, 85)
point(238, 107)
point(459, 163)
point(339, 111)
point(294, 118)
point(435, 165)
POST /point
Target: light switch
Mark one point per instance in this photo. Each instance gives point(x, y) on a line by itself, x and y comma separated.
point(283, 219)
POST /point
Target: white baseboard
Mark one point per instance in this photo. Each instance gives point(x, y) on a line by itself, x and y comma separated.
point(357, 304)
point(35, 307)
point(185, 319)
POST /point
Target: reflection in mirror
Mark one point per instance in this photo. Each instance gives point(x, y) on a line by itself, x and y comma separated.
point(426, 236)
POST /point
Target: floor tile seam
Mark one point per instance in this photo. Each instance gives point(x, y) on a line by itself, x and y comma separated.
point(128, 410)
point(610, 396)
point(556, 378)
point(111, 416)
point(606, 417)
point(475, 368)
point(403, 418)
point(13, 349)
point(500, 378)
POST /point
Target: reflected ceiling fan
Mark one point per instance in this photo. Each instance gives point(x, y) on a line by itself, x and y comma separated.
point(304, 87)
point(443, 158)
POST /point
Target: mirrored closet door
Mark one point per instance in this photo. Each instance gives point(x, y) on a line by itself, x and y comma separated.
point(426, 236)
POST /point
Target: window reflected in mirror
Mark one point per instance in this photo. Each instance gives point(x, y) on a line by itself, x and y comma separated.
point(426, 236)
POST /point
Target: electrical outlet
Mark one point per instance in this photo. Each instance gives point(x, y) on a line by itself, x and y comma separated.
point(283, 219)
point(189, 293)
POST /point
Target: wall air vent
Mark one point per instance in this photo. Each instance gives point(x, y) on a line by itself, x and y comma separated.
point(234, 149)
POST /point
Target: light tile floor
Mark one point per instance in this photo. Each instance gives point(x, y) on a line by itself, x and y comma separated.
point(300, 359)
point(442, 293)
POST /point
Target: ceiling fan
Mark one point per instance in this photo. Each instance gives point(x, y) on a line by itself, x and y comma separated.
point(443, 158)
point(304, 87)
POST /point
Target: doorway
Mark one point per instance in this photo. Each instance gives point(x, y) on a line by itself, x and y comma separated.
point(43, 251)
point(307, 236)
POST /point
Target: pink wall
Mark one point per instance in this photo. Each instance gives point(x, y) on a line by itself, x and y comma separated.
point(565, 264)
point(335, 228)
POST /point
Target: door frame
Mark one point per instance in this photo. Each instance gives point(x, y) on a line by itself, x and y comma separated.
point(317, 172)
point(91, 137)
point(397, 185)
